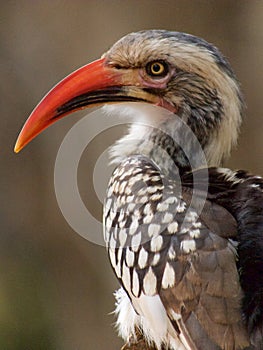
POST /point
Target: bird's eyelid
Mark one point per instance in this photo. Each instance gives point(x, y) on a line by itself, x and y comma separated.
point(115, 65)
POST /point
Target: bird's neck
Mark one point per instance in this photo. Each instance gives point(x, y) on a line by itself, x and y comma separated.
point(172, 146)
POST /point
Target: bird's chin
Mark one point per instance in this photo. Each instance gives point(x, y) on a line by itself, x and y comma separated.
point(152, 115)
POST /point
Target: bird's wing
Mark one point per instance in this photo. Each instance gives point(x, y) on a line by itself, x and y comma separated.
point(159, 245)
point(205, 300)
point(240, 196)
point(246, 205)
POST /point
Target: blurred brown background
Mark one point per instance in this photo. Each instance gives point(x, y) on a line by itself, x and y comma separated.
point(55, 287)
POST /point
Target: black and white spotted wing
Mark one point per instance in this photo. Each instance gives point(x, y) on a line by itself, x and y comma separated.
point(158, 246)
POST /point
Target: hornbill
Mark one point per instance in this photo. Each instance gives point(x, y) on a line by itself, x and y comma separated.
point(191, 275)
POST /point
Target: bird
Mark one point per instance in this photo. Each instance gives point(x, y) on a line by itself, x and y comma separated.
point(184, 236)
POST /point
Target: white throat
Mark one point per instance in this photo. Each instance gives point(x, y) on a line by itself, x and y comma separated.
point(148, 135)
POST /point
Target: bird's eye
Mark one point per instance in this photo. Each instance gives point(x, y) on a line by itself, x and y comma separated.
point(157, 69)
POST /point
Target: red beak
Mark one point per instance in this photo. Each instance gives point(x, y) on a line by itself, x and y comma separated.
point(95, 83)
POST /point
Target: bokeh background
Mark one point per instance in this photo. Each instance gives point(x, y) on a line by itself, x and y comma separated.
point(56, 287)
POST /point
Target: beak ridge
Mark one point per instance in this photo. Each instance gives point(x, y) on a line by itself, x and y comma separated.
point(87, 79)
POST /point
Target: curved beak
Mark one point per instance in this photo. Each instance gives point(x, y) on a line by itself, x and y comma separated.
point(94, 84)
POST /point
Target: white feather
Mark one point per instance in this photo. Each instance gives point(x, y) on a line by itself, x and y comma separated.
point(150, 317)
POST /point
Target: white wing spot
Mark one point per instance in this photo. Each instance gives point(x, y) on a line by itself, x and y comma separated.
point(122, 224)
point(147, 209)
point(152, 189)
point(108, 204)
point(112, 214)
point(142, 191)
point(156, 197)
point(122, 187)
point(171, 253)
point(172, 227)
point(134, 226)
point(122, 237)
point(168, 217)
point(168, 279)
point(123, 199)
point(188, 246)
point(197, 224)
point(156, 243)
point(156, 259)
point(128, 190)
point(192, 216)
point(136, 213)
point(136, 241)
point(116, 186)
point(143, 257)
point(136, 171)
point(117, 269)
point(254, 185)
point(119, 171)
point(175, 316)
point(148, 219)
point(154, 230)
point(146, 177)
point(106, 235)
point(162, 206)
point(110, 191)
point(129, 199)
point(131, 207)
point(119, 255)
point(121, 215)
point(194, 233)
point(170, 200)
point(135, 284)
point(126, 277)
point(155, 178)
point(143, 199)
point(112, 243)
point(108, 223)
point(137, 177)
point(112, 257)
point(150, 283)
point(129, 257)
point(181, 207)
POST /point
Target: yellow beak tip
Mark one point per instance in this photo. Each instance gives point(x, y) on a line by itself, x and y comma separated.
point(17, 148)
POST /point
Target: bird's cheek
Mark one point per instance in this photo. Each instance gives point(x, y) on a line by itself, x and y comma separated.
point(131, 77)
point(139, 78)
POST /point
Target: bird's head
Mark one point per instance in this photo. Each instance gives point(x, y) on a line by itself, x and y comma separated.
point(179, 72)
